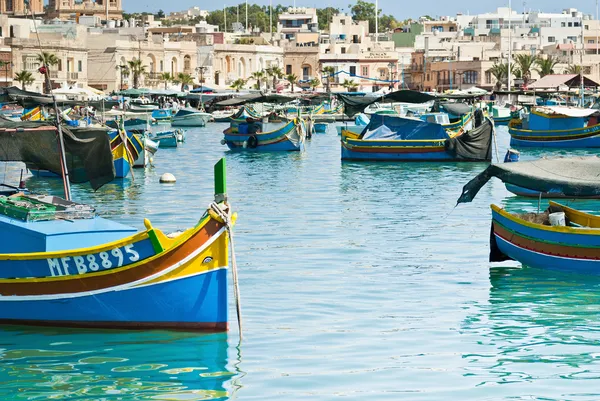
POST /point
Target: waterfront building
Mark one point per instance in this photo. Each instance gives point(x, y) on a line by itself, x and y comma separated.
point(356, 56)
point(298, 34)
point(17, 7)
point(111, 49)
point(73, 9)
point(67, 41)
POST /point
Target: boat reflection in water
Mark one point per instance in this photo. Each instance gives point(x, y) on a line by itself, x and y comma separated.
point(80, 364)
point(537, 325)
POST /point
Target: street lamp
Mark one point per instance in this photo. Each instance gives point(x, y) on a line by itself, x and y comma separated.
point(390, 69)
point(201, 70)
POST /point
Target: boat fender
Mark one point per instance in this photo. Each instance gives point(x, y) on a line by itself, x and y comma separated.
point(252, 142)
point(223, 142)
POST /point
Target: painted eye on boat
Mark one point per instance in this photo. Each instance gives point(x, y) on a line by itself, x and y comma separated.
point(207, 259)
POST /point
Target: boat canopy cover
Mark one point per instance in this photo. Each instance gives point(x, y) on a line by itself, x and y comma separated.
point(454, 108)
point(565, 111)
point(355, 104)
point(475, 144)
point(255, 98)
point(187, 112)
point(573, 176)
point(88, 153)
point(384, 126)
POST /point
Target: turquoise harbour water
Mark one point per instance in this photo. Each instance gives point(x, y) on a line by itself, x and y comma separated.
point(359, 281)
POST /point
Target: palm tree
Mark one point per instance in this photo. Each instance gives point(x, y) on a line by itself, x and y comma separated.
point(25, 78)
point(47, 60)
point(350, 85)
point(573, 69)
point(500, 73)
point(525, 62)
point(546, 65)
point(274, 72)
point(329, 71)
point(184, 79)
point(137, 69)
point(258, 75)
point(238, 84)
point(314, 83)
point(166, 77)
point(292, 79)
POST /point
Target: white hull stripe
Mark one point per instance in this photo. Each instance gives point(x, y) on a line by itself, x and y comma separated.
point(119, 287)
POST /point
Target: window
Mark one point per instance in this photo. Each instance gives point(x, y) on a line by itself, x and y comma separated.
point(470, 77)
point(365, 71)
point(562, 25)
point(80, 66)
point(587, 27)
point(551, 39)
point(382, 73)
point(570, 25)
point(575, 23)
point(488, 77)
point(572, 38)
point(161, 66)
point(564, 53)
point(352, 70)
point(343, 21)
point(59, 65)
point(343, 50)
point(591, 41)
point(31, 63)
point(288, 69)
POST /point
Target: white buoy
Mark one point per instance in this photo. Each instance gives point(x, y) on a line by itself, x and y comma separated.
point(167, 178)
point(223, 142)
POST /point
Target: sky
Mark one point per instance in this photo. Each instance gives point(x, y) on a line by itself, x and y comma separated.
point(400, 9)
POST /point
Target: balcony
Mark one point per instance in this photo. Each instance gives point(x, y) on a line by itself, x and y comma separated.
point(53, 74)
point(73, 76)
point(154, 76)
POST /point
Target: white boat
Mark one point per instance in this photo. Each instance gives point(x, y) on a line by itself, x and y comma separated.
point(149, 149)
point(190, 118)
point(141, 105)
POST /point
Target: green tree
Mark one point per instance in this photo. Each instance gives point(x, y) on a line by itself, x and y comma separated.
point(137, 69)
point(350, 86)
point(365, 11)
point(325, 15)
point(160, 14)
point(25, 78)
point(166, 77)
point(525, 62)
point(275, 73)
point(47, 60)
point(258, 76)
point(573, 69)
point(238, 84)
point(184, 80)
point(292, 79)
point(500, 73)
point(327, 73)
point(546, 65)
point(314, 83)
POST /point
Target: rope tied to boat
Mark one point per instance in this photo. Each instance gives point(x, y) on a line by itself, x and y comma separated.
point(227, 218)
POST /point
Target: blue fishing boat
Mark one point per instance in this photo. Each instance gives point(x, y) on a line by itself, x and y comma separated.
point(392, 138)
point(561, 238)
point(162, 116)
point(126, 148)
point(556, 127)
point(132, 124)
point(61, 265)
point(249, 136)
point(165, 139)
point(321, 128)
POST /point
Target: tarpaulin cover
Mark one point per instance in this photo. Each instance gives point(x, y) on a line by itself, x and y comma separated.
point(354, 104)
point(573, 176)
point(475, 144)
point(253, 98)
point(88, 153)
point(457, 109)
point(384, 126)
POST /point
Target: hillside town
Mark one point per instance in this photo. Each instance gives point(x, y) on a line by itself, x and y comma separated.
point(93, 45)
